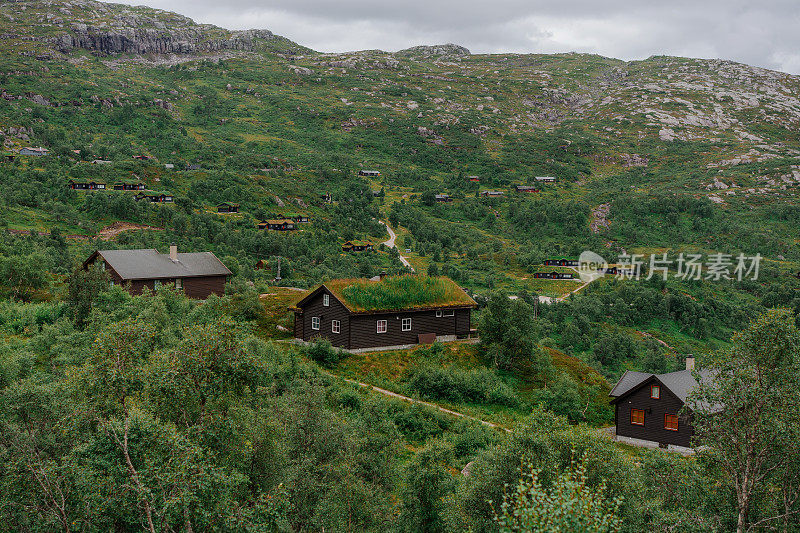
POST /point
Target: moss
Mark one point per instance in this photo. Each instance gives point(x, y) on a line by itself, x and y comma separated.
point(399, 292)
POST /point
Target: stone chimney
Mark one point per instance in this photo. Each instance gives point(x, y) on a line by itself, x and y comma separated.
point(173, 251)
point(690, 363)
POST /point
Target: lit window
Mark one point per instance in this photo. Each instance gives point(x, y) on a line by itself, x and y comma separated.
point(637, 417)
point(655, 392)
point(671, 422)
point(381, 326)
point(326, 300)
point(406, 324)
point(438, 314)
point(449, 313)
point(335, 326)
point(315, 322)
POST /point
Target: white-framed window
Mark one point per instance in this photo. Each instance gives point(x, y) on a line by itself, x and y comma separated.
point(449, 313)
point(156, 284)
point(326, 300)
point(381, 327)
point(315, 323)
point(336, 326)
point(179, 283)
point(405, 324)
point(439, 314)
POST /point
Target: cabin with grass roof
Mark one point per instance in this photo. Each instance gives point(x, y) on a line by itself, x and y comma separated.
point(391, 312)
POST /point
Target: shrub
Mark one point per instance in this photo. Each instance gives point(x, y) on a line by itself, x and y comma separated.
point(455, 384)
point(323, 352)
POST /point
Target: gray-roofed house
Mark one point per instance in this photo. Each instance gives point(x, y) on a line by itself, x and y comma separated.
point(647, 407)
point(197, 274)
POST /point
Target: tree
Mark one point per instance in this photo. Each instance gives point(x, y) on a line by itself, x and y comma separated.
point(83, 287)
point(506, 330)
point(427, 482)
point(749, 413)
point(24, 273)
point(569, 505)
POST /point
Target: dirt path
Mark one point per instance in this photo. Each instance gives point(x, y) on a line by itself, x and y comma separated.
point(390, 243)
point(421, 402)
point(112, 230)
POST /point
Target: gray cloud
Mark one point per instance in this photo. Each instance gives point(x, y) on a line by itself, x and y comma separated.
point(762, 33)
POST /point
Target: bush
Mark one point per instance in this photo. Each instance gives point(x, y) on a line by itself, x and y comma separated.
point(323, 352)
point(455, 384)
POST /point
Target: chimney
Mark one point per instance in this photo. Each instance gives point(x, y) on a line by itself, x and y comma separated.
point(382, 275)
point(173, 251)
point(690, 363)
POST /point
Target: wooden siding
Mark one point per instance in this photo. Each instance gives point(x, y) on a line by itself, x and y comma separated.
point(199, 288)
point(335, 311)
point(655, 409)
point(360, 331)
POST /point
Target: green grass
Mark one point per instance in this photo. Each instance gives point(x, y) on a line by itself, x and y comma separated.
point(399, 292)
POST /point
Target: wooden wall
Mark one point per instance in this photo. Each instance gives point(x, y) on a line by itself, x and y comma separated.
point(335, 311)
point(653, 428)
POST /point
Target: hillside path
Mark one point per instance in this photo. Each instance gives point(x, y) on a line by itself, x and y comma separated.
point(421, 402)
point(390, 243)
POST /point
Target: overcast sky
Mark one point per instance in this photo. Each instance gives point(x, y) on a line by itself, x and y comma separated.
point(758, 32)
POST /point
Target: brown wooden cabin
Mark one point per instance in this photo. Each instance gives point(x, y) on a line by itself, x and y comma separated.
point(128, 186)
point(358, 246)
point(553, 275)
point(277, 225)
point(227, 207)
point(474, 179)
point(154, 197)
point(325, 312)
point(369, 173)
point(561, 262)
point(526, 188)
point(492, 194)
point(546, 179)
point(647, 406)
point(10, 157)
point(142, 157)
point(86, 185)
point(198, 274)
point(261, 264)
point(298, 219)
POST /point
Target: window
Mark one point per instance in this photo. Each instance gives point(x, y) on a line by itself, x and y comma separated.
point(406, 324)
point(156, 284)
point(326, 300)
point(655, 392)
point(637, 417)
point(315, 322)
point(178, 283)
point(335, 326)
point(381, 326)
point(671, 422)
point(438, 314)
point(449, 313)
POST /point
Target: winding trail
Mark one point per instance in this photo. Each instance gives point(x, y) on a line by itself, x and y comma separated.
point(390, 243)
point(421, 402)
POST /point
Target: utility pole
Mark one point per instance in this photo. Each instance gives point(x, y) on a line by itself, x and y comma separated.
point(278, 277)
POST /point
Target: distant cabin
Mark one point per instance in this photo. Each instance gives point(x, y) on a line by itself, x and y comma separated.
point(169, 166)
point(142, 157)
point(349, 314)
point(369, 173)
point(545, 179)
point(647, 407)
point(198, 274)
point(192, 167)
point(277, 225)
point(526, 188)
point(156, 198)
point(101, 162)
point(327, 198)
point(227, 207)
point(561, 262)
point(554, 275)
point(473, 178)
point(491, 194)
point(297, 218)
point(10, 157)
point(261, 264)
point(129, 186)
point(358, 246)
point(443, 198)
point(33, 151)
point(86, 185)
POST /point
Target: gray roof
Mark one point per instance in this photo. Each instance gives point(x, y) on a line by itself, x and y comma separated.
point(149, 264)
point(680, 383)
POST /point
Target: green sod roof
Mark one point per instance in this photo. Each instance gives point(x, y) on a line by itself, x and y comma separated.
point(395, 293)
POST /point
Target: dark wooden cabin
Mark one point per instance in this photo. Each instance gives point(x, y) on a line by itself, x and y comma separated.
point(554, 275)
point(277, 225)
point(129, 186)
point(197, 274)
point(227, 207)
point(156, 197)
point(561, 262)
point(647, 407)
point(369, 173)
point(358, 246)
point(327, 312)
point(526, 188)
point(492, 194)
point(86, 185)
point(443, 198)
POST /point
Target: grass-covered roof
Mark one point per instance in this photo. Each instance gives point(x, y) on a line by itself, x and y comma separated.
point(394, 293)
